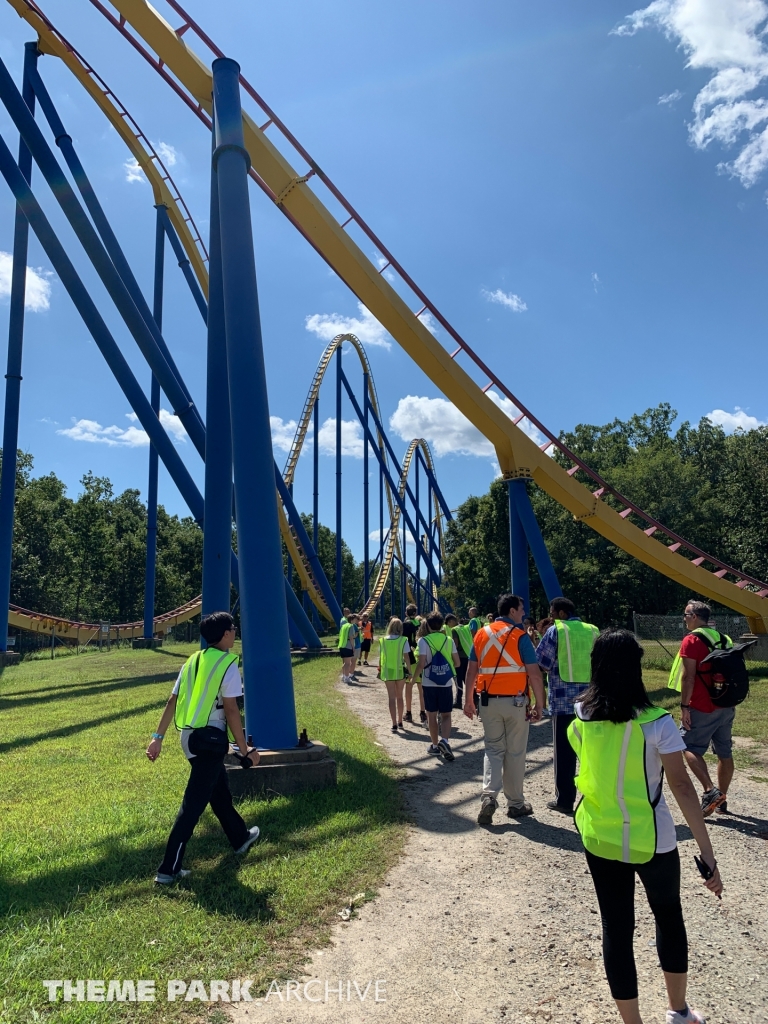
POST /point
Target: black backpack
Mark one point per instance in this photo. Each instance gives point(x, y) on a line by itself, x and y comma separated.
point(728, 682)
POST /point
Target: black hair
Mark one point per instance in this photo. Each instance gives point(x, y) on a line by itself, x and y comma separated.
point(617, 691)
point(435, 621)
point(562, 604)
point(507, 602)
point(451, 618)
point(411, 609)
point(214, 626)
point(700, 610)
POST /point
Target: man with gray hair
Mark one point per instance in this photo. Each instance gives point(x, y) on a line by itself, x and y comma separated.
point(703, 723)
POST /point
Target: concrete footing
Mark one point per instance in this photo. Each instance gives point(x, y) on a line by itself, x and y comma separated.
point(283, 772)
point(146, 643)
point(9, 658)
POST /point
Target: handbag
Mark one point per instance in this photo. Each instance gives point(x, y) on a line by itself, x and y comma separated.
point(208, 740)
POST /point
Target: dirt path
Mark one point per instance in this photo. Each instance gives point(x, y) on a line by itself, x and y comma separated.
point(479, 925)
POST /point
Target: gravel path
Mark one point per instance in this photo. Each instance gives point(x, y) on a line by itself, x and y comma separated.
point(479, 925)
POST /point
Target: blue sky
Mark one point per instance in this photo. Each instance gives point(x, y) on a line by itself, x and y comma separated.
point(580, 188)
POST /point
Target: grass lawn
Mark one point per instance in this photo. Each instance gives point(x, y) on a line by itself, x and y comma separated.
point(86, 816)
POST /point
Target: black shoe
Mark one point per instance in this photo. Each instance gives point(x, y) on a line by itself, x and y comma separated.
point(520, 812)
point(422, 716)
point(723, 808)
point(445, 750)
point(401, 726)
point(487, 809)
point(394, 728)
point(408, 717)
point(553, 805)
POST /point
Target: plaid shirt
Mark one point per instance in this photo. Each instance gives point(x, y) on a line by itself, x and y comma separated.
point(561, 695)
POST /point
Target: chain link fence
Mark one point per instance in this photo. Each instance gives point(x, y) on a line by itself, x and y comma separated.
point(661, 635)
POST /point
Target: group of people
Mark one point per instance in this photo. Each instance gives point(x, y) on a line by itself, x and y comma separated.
point(611, 745)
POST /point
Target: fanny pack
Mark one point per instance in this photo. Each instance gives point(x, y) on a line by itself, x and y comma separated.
point(208, 740)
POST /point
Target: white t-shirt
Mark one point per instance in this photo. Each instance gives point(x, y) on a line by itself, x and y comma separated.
point(231, 686)
point(661, 737)
point(426, 651)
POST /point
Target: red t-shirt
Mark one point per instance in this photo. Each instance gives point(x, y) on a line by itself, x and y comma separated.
point(694, 647)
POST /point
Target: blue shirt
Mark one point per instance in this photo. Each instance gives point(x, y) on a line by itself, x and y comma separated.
point(561, 695)
point(524, 645)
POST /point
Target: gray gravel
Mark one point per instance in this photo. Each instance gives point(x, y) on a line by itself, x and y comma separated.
point(477, 925)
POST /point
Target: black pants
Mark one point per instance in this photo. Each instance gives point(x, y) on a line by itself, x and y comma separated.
point(461, 675)
point(615, 888)
point(207, 785)
point(565, 762)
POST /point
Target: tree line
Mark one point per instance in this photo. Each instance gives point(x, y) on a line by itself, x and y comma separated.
point(709, 487)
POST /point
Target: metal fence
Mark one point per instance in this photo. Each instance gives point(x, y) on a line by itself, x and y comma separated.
point(661, 635)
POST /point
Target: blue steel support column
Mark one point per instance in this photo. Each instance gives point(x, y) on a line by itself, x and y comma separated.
point(417, 545)
point(547, 573)
point(184, 265)
point(518, 546)
point(403, 581)
point(13, 371)
point(392, 588)
point(381, 538)
point(366, 552)
point(217, 536)
point(154, 401)
point(315, 476)
point(338, 475)
point(270, 713)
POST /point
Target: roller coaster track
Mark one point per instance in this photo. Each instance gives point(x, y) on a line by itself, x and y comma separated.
point(589, 498)
point(84, 632)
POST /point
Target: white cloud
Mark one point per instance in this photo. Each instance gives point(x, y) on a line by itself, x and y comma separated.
point(167, 153)
point(133, 171)
point(727, 38)
point(374, 535)
point(128, 437)
point(283, 433)
point(508, 299)
point(37, 295)
point(351, 438)
point(736, 420)
point(595, 280)
point(447, 430)
point(669, 98)
point(367, 328)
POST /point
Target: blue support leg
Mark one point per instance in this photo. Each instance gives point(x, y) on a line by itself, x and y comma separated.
point(269, 700)
point(154, 401)
point(366, 527)
point(381, 539)
point(13, 373)
point(338, 476)
point(536, 543)
point(518, 547)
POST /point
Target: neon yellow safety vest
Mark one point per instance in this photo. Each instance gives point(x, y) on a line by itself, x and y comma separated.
point(391, 654)
point(477, 623)
point(615, 816)
point(201, 679)
point(574, 647)
point(464, 636)
point(438, 646)
point(344, 635)
point(675, 681)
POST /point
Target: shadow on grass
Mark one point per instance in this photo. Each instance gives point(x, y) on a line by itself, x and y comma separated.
point(366, 797)
point(9, 701)
point(75, 728)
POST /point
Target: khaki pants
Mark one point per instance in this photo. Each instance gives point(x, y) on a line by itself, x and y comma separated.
point(506, 743)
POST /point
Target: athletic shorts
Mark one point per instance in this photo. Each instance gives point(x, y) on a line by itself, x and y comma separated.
point(365, 646)
point(346, 652)
point(438, 698)
point(710, 727)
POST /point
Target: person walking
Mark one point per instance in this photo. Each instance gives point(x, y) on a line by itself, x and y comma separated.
point(366, 628)
point(502, 669)
point(411, 624)
point(438, 660)
point(203, 703)
point(347, 635)
point(563, 654)
point(475, 622)
point(461, 634)
point(625, 747)
point(702, 723)
point(394, 666)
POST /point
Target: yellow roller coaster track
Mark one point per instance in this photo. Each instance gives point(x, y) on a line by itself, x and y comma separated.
point(84, 632)
point(518, 455)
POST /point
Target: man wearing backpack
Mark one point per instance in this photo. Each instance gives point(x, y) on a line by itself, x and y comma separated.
point(702, 722)
point(437, 664)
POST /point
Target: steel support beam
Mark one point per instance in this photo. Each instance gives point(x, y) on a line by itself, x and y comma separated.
point(339, 567)
point(154, 401)
point(527, 517)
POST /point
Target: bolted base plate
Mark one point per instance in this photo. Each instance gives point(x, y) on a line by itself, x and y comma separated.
point(283, 772)
point(146, 643)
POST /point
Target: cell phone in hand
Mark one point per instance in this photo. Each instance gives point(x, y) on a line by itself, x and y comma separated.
point(705, 871)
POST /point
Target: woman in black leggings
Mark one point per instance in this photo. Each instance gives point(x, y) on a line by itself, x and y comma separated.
point(625, 747)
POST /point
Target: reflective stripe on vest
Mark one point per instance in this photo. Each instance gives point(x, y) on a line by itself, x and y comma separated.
point(675, 681)
point(344, 635)
point(500, 668)
point(615, 816)
point(574, 647)
point(391, 654)
point(197, 695)
point(464, 635)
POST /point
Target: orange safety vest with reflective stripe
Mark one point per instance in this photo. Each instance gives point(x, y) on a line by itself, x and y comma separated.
point(500, 669)
point(368, 630)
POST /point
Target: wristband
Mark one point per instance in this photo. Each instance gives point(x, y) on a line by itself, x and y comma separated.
point(685, 707)
point(158, 735)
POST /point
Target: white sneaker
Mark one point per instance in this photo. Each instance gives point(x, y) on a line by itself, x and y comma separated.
point(253, 835)
point(690, 1017)
point(161, 879)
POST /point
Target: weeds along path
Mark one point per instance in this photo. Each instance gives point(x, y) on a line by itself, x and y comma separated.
point(479, 925)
